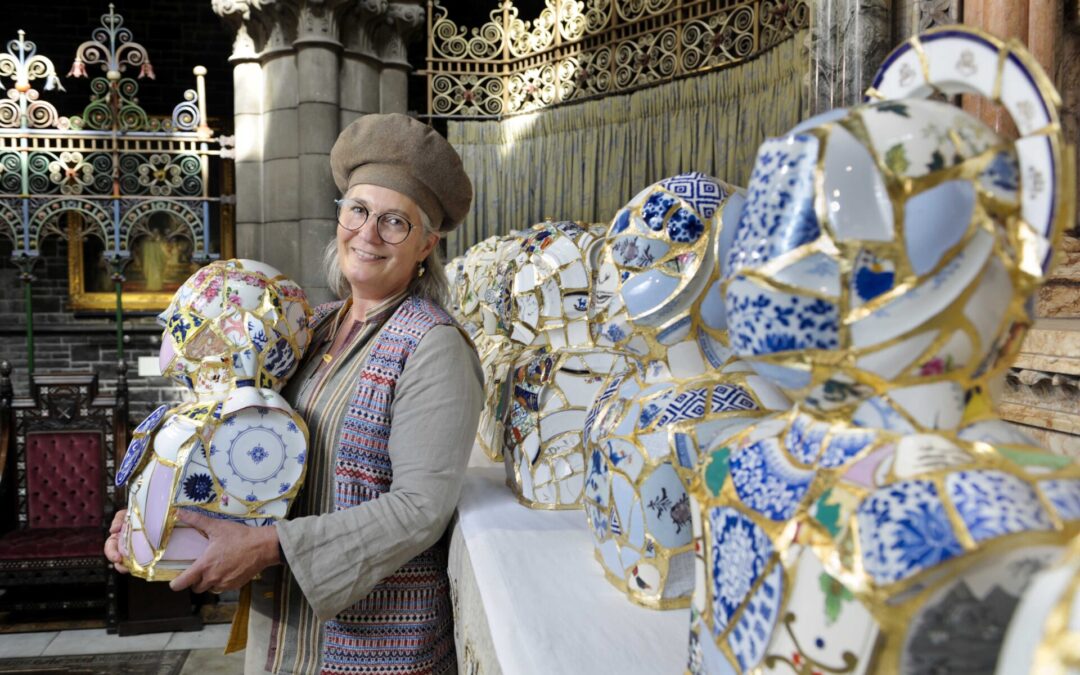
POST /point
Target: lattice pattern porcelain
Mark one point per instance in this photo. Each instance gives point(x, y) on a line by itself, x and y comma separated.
point(550, 396)
point(880, 273)
point(656, 263)
point(234, 332)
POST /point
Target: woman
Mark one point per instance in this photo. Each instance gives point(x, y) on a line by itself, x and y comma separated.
point(391, 391)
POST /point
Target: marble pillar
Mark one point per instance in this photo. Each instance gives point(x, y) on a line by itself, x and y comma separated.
point(302, 70)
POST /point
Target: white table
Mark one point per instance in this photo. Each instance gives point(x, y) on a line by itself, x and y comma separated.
point(530, 598)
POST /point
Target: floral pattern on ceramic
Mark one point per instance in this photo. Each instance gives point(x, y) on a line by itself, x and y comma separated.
point(889, 496)
point(551, 284)
point(234, 332)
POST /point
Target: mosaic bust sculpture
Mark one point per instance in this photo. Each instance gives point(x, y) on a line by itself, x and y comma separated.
point(557, 370)
point(658, 267)
point(881, 271)
point(234, 333)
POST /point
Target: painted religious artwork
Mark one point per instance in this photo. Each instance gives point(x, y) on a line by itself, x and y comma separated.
point(882, 271)
point(233, 334)
point(163, 255)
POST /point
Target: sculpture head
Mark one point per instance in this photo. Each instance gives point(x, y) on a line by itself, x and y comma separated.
point(887, 254)
point(234, 333)
point(658, 261)
point(234, 323)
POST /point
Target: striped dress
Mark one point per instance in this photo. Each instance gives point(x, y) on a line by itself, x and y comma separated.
point(404, 624)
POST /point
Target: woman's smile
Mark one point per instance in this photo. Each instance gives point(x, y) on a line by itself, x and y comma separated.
point(366, 256)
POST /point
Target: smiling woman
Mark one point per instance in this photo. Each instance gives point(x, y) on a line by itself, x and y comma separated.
point(391, 392)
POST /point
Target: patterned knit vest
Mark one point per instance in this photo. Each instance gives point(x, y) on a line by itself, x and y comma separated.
point(405, 625)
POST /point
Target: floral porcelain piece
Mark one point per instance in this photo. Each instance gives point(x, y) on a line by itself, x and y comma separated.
point(496, 362)
point(881, 272)
point(550, 395)
point(640, 437)
point(234, 333)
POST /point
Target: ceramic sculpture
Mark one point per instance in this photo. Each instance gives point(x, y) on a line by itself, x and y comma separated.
point(658, 264)
point(639, 435)
point(1044, 635)
point(654, 267)
point(488, 273)
point(550, 396)
point(882, 270)
point(234, 333)
point(549, 295)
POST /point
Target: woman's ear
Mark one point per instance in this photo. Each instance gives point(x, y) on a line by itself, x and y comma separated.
point(432, 240)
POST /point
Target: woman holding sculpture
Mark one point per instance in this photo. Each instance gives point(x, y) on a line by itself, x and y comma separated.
point(391, 391)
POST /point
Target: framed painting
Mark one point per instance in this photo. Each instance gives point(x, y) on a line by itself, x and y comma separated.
point(162, 256)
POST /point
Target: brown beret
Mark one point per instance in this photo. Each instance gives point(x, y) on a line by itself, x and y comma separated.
point(400, 153)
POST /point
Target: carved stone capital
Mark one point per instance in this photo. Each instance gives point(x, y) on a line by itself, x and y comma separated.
point(401, 22)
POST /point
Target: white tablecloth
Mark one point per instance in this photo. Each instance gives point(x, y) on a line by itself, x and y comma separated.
point(530, 598)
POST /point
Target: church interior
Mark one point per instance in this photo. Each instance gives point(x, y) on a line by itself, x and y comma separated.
point(777, 305)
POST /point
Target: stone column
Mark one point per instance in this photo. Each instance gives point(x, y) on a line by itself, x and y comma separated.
point(318, 56)
point(848, 41)
point(247, 125)
point(402, 19)
point(359, 78)
point(302, 70)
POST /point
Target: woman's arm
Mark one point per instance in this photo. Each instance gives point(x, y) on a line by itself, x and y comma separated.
point(337, 558)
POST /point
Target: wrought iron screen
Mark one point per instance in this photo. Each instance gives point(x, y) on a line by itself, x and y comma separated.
point(581, 49)
point(132, 190)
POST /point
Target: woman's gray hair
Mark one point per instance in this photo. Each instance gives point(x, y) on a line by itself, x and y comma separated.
point(432, 285)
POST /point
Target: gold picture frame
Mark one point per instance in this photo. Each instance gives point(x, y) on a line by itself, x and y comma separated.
point(90, 286)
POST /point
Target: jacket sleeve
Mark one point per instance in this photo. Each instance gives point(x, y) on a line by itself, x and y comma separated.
point(337, 558)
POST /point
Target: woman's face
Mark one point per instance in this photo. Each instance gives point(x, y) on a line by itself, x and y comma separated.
point(374, 269)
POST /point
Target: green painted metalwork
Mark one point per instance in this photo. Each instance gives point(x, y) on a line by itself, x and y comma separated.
point(113, 166)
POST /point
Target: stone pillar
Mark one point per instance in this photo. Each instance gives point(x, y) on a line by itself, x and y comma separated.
point(247, 123)
point(848, 41)
point(401, 21)
point(302, 70)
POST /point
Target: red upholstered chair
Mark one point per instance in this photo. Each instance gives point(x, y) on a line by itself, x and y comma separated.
point(58, 456)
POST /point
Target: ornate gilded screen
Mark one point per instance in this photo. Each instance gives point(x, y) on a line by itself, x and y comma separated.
point(581, 49)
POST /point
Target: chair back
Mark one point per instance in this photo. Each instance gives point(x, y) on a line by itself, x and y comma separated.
point(64, 439)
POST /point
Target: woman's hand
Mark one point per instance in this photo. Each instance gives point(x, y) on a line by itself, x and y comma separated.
point(112, 544)
point(235, 554)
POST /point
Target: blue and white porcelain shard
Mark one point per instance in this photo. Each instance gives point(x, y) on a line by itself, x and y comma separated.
point(881, 274)
point(654, 270)
point(543, 449)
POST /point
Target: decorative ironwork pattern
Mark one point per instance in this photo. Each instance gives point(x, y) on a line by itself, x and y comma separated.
point(578, 49)
point(114, 164)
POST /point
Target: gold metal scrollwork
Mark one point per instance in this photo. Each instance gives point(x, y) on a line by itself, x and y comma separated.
point(580, 49)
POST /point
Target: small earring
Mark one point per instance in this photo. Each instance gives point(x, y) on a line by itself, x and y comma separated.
point(422, 270)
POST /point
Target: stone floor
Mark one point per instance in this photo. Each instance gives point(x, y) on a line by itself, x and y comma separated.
point(204, 658)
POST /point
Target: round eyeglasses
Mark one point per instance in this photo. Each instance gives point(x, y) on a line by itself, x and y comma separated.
point(393, 228)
